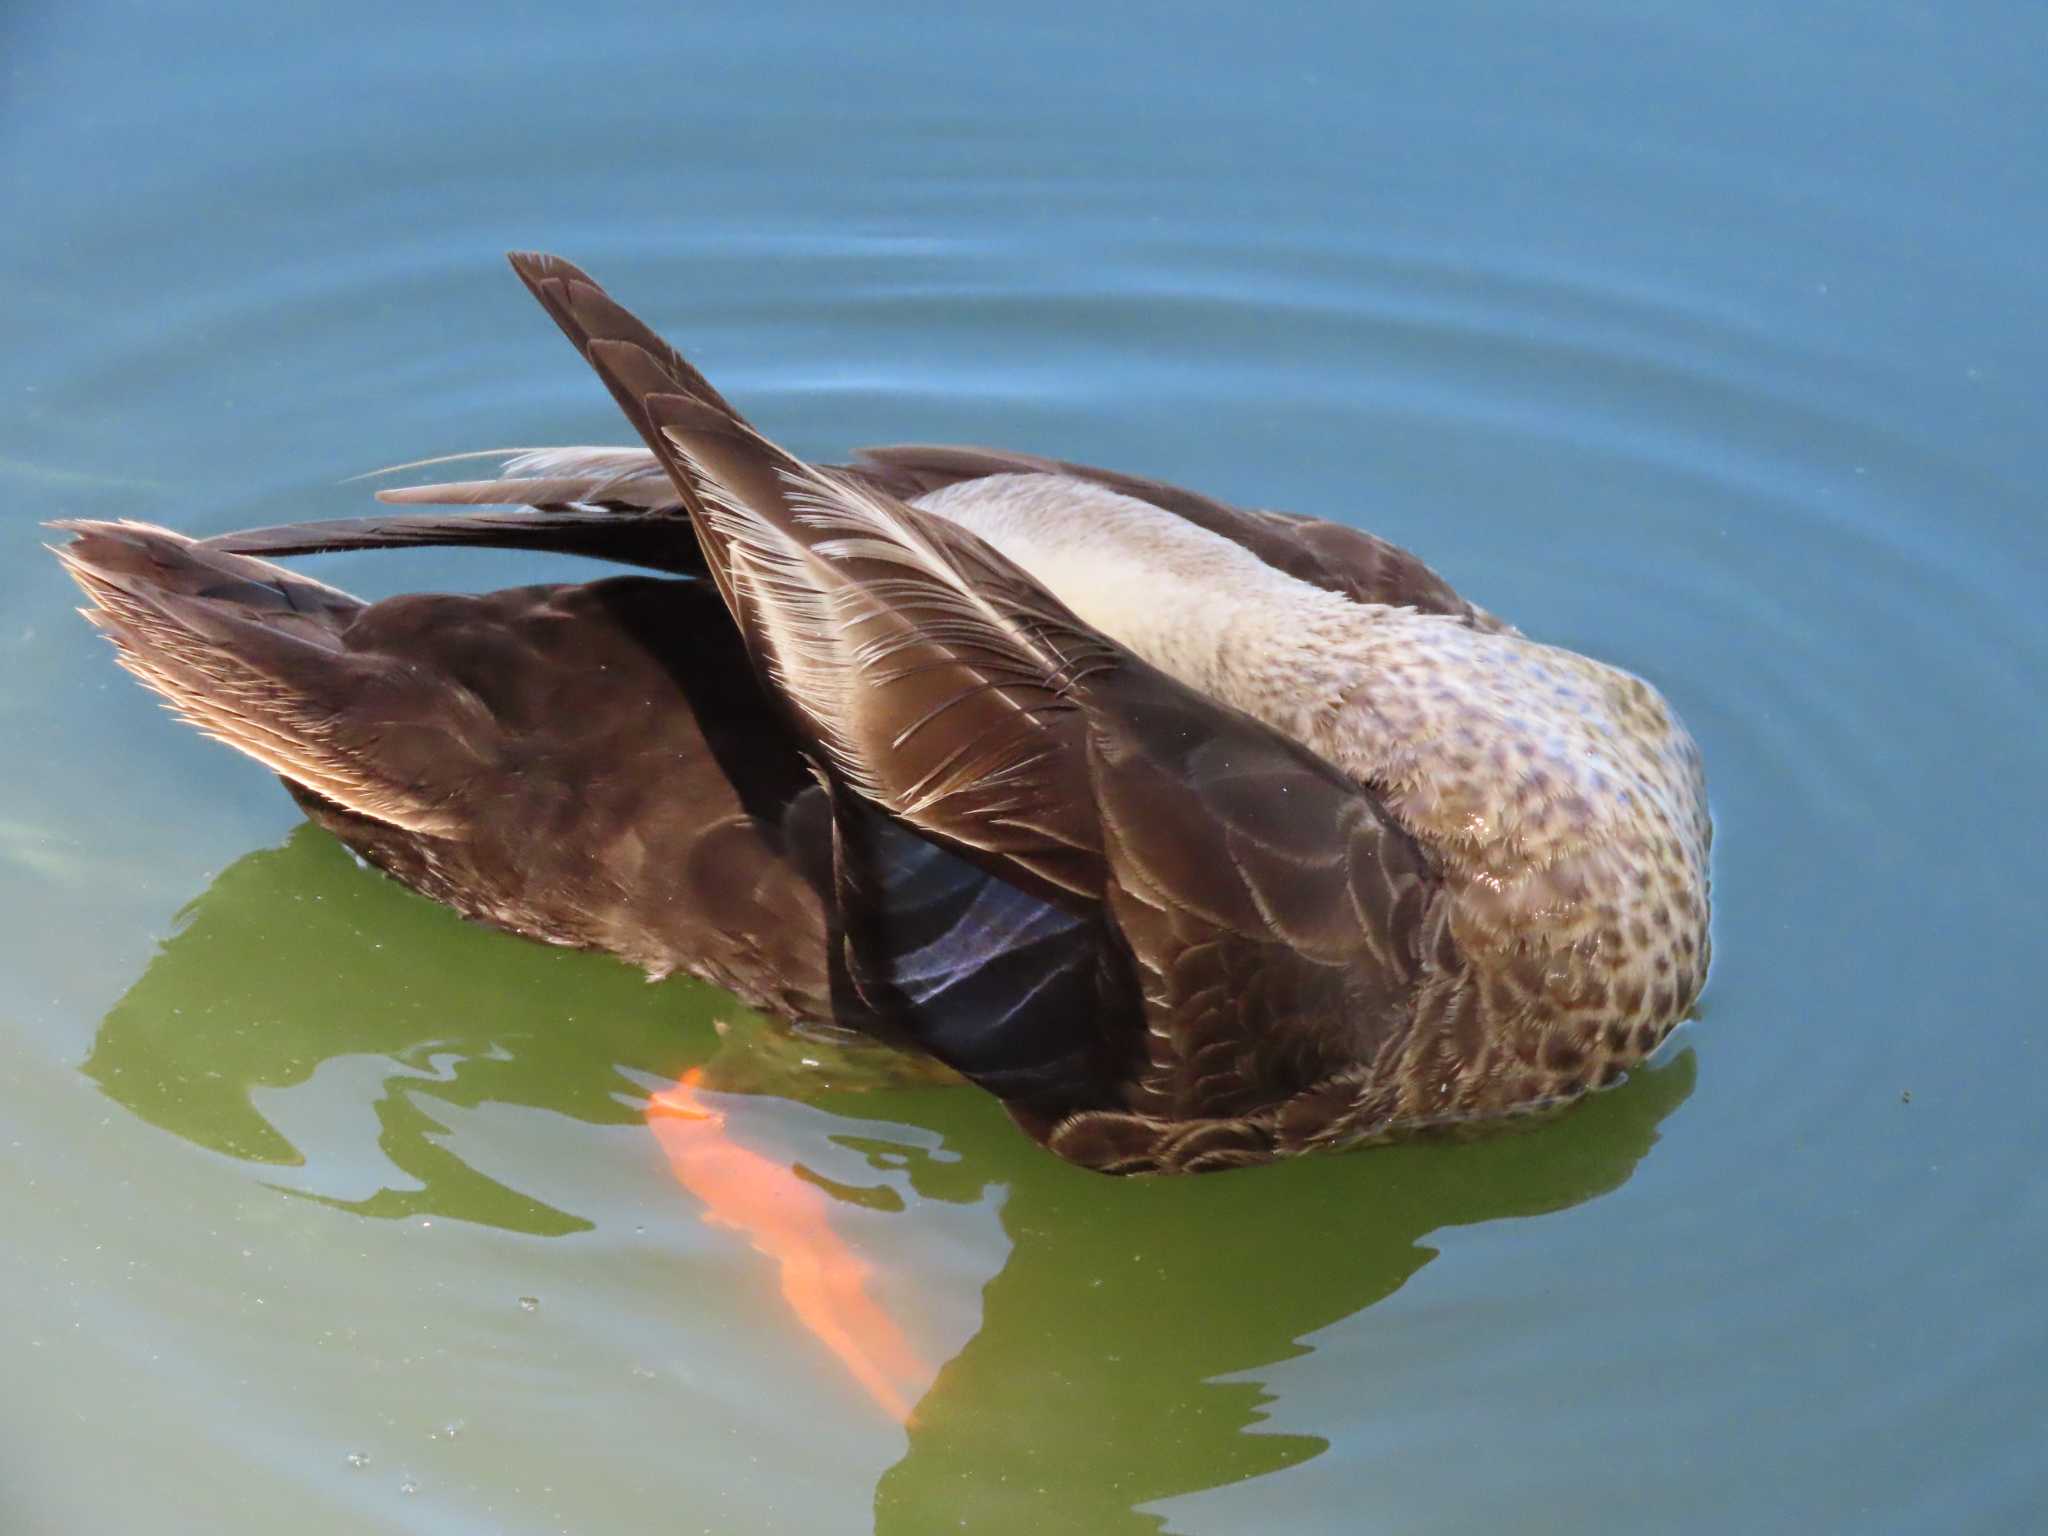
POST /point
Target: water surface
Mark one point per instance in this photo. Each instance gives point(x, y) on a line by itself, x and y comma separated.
point(1706, 339)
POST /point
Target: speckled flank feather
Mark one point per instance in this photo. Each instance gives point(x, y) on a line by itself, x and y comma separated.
point(1200, 835)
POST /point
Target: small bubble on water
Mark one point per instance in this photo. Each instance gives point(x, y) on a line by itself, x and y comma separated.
point(409, 1484)
point(529, 1303)
point(358, 1459)
point(447, 1431)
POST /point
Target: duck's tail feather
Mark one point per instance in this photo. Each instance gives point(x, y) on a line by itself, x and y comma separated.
point(253, 655)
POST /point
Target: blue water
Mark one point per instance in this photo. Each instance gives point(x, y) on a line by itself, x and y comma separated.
point(1705, 338)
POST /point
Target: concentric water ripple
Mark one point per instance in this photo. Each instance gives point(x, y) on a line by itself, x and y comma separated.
point(1716, 366)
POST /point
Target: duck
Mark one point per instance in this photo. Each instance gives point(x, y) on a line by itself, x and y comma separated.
point(1199, 836)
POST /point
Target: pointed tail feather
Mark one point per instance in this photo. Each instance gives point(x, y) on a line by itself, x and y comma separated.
point(253, 655)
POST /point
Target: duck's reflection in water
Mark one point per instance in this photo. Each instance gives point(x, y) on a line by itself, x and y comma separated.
point(1098, 1379)
point(1095, 1378)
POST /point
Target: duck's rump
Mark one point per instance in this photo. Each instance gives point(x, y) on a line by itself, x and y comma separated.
point(591, 764)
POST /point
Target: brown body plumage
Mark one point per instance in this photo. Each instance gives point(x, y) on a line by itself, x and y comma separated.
point(1291, 847)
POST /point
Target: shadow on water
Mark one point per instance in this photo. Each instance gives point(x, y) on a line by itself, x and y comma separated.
point(1117, 1358)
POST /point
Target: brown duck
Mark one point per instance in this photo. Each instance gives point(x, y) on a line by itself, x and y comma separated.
point(1199, 836)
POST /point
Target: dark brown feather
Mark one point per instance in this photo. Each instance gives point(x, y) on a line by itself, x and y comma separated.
point(1277, 929)
point(658, 542)
point(590, 765)
point(945, 701)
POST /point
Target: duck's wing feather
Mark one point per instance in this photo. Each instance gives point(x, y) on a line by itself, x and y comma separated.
point(652, 540)
point(926, 671)
point(1025, 996)
point(613, 504)
point(1279, 922)
point(1255, 923)
point(616, 479)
